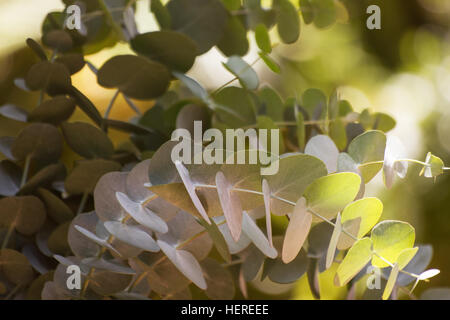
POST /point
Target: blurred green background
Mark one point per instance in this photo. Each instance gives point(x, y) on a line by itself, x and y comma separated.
point(402, 69)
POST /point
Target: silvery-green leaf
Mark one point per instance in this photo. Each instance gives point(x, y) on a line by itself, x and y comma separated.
point(186, 232)
point(334, 241)
point(297, 231)
point(185, 262)
point(429, 274)
point(190, 188)
point(136, 180)
point(142, 214)
point(243, 71)
point(231, 205)
point(106, 205)
point(266, 192)
point(391, 282)
point(107, 265)
point(93, 237)
point(295, 173)
point(132, 235)
point(255, 234)
point(233, 246)
point(322, 147)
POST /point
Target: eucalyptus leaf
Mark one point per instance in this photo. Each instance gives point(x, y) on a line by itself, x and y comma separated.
point(389, 239)
point(297, 231)
point(132, 235)
point(203, 21)
point(87, 140)
point(87, 173)
point(137, 77)
point(173, 49)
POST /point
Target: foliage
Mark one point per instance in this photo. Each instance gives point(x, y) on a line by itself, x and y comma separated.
point(157, 226)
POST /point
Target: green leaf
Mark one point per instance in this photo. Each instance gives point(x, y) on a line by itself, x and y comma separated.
point(390, 238)
point(324, 13)
point(42, 142)
point(56, 208)
point(74, 62)
point(434, 168)
point(406, 256)
point(357, 257)
point(417, 265)
point(297, 231)
point(270, 63)
point(137, 77)
point(186, 263)
point(161, 13)
point(368, 147)
point(280, 272)
point(192, 85)
point(243, 71)
point(232, 5)
point(234, 40)
point(270, 99)
point(52, 77)
point(334, 241)
point(251, 230)
point(312, 100)
point(132, 235)
point(58, 40)
point(44, 177)
point(38, 50)
point(383, 122)
point(330, 194)
point(85, 175)
point(307, 11)
point(234, 107)
point(25, 214)
point(218, 239)
point(391, 282)
point(295, 173)
point(265, 122)
point(301, 130)
point(173, 49)
point(15, 267)
point(338, 133)
point(262, 38)
point(87, 140)
point(53, 111)
point(204, 21)
point(368, 209)
point(288, 21)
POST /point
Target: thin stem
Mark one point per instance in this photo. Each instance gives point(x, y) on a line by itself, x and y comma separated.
point(7, 236)
point(111, 104)
point(414, 161)
point(26, 169)
point(132, 105)
point(13, 291)
point(83, 202)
